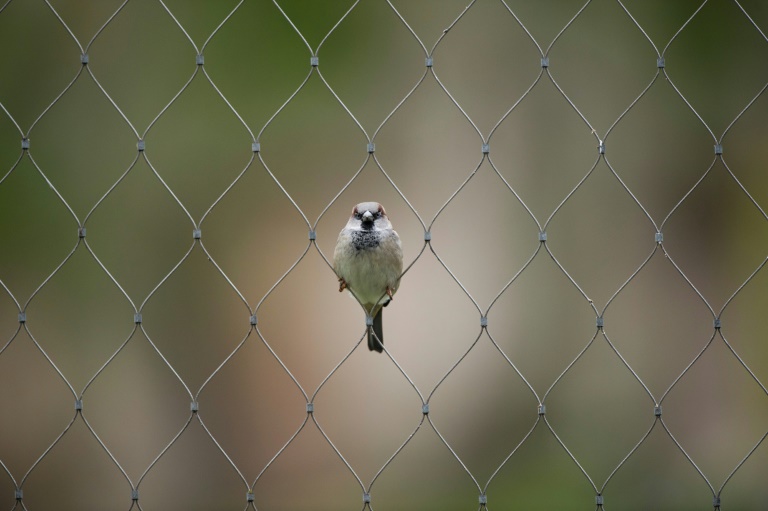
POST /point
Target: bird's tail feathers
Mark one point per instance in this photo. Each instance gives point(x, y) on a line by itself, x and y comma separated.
point(375, 343)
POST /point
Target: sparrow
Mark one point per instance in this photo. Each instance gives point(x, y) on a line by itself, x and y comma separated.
point(368, 260)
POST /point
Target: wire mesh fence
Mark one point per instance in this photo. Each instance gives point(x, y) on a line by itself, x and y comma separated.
point(580, 192)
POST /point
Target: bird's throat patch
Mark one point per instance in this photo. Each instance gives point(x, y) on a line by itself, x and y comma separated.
point(365, 240)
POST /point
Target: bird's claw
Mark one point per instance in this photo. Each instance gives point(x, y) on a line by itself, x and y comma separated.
point(342, 284)
point(389, 292)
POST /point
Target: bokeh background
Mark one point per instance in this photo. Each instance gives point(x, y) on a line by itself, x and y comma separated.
point(254, 210)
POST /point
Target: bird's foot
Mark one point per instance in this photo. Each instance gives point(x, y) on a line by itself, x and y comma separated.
point(342, 284)
point(389, 292)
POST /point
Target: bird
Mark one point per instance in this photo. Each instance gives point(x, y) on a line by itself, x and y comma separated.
point(368, 260)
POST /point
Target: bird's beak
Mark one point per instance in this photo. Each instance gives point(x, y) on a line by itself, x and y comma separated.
point(367, 216)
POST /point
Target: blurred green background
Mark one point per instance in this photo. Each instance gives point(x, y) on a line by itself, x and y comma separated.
point(83, 144)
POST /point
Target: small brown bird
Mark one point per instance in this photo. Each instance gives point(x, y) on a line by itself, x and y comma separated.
point(369, 262)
